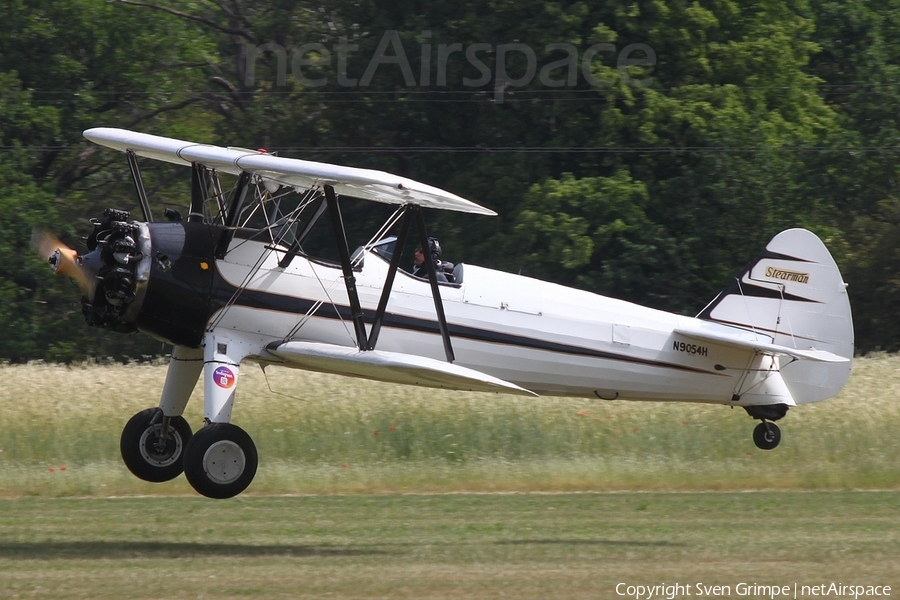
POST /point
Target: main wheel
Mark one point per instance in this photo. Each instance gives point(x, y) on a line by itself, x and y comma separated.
point(766, 436)
point(220, 461)
point(150, 455)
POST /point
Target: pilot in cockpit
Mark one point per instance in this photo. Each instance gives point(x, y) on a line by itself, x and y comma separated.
point(442, 268)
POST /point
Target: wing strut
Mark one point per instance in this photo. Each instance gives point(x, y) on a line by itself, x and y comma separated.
point(199, 191)
point(411, 211)
point(340, 237)
point(435, 290)
point(234, 211)
point(139, 185)
point(405, 222)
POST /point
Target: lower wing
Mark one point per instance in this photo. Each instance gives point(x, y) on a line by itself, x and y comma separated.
point(392, 367)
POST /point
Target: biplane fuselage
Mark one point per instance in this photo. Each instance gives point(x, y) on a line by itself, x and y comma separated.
point(543, 337)
point(546, 338)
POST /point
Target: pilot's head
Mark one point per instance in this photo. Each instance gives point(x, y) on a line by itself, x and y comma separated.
point(434, 248)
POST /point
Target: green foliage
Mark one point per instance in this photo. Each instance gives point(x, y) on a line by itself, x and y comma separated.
point(755, 117)
point(597, 227)
point(25, 289)
point(874, 278)
point(64, 68)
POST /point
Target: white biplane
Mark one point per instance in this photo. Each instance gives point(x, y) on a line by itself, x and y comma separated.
point(232, 283)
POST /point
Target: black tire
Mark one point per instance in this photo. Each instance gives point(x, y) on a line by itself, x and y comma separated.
point(766, 436)
point(140, 450)
point(220, 461)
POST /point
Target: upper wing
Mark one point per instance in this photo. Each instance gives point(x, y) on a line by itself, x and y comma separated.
point(393, 367)
point(717, 336)
point(359, 183)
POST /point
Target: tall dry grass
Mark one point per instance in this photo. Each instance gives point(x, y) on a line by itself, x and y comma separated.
point(318, 433)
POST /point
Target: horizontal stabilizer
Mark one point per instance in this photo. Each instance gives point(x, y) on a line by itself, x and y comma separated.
point(366, 184)
point(738, 340)
point(392, 367)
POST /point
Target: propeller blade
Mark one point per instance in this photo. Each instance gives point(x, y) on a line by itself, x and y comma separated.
point(63, 260)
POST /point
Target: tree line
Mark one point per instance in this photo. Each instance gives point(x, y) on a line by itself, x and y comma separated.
point(644, 151)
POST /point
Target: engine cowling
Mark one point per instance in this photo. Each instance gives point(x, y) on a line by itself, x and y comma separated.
point(153, 277)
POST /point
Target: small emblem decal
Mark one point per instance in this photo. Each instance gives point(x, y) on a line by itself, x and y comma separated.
point(224, 377)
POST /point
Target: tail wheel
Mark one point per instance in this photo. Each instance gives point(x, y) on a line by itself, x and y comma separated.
point(766, 436)
point(220, 461)
point(149, 452)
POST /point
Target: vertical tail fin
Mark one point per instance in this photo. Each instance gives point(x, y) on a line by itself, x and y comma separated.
point(793, 295)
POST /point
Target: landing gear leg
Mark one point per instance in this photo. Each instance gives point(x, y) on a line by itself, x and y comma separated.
point(221, 460)
point(153, 440)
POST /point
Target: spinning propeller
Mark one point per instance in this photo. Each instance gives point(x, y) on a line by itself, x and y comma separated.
point(63, 259)
point(108, 273)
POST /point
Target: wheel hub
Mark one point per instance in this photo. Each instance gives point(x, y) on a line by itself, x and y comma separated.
point(159, 452)
point(224, 462)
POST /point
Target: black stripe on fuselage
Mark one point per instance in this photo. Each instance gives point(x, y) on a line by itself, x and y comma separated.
point(288, 304)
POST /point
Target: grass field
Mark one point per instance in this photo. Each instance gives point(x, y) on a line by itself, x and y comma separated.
point(343, 504)
point(327, 434)
point(444, 546)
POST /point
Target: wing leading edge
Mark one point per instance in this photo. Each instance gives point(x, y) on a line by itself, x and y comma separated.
point(392, 367)
point(366, 184)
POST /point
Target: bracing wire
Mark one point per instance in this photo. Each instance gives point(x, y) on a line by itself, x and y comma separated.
point(284, 221)
point(377, 237)
point(267, 251)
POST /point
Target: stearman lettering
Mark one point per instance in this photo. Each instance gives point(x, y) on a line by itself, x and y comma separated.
point(783, 275)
